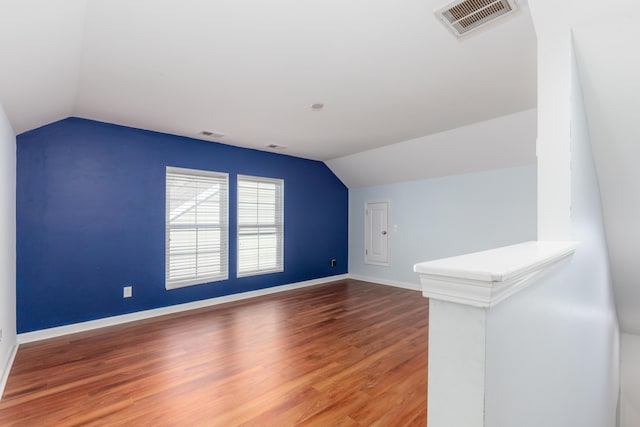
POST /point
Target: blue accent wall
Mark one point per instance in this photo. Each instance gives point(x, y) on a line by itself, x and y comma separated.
point(91, 219)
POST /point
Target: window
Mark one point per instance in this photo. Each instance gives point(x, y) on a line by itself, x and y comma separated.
point(196, 227)
point(260, 225)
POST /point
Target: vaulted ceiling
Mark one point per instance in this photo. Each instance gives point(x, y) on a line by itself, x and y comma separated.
point(386, 71)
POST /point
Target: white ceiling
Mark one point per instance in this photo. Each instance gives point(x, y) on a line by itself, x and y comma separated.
point(386, 70)
point(40, 51)
point(607, 51)
point(502, 142)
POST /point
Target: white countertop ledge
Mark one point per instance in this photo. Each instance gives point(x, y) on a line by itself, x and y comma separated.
point(488, 277)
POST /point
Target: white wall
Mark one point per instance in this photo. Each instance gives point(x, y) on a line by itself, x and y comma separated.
point(554, 117)
point(603, 39)
point(553, 349)
point(502, 142)
point(7, 244)
point(630, 380)
point(442, 217)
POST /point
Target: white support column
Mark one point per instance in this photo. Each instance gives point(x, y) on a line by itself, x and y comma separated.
point(461, 291)
point(553, 148)
point(456, 364)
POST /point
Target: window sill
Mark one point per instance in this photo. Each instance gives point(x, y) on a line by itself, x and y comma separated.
point(202, 281)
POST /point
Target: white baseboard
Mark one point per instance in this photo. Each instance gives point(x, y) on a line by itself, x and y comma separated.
point(7, 368)
point(146, 314)
point(404, 285)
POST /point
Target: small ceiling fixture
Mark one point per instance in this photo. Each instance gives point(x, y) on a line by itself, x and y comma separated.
point(317, 106)
point(212, 134)
point(276, 146)
point(463, 16)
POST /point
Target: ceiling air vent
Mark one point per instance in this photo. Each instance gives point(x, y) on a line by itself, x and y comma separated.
point(463, 16)
point(212, 134)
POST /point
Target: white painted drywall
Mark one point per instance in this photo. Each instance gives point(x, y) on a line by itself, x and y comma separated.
point(441, 217)
point(455, 391)
point(552, 147)
point(609, 62)
point(7, 243)
point(553, 349)
point(41, 47)
point(629, 380)
point(387, 71)
point(501, 142)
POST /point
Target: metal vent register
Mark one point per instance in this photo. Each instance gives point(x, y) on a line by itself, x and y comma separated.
point(464, 16)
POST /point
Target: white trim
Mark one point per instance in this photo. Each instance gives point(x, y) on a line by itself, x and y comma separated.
point(484, 279)
point(171, 172)
point(367, 235)
point(146, 314)
point(7, 368)
point(395, 284)
point(478, 293)
point(278, 225)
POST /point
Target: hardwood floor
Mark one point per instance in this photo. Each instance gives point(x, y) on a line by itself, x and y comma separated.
point(348, 353)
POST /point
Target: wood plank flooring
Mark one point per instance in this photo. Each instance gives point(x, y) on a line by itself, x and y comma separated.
point(347, 353)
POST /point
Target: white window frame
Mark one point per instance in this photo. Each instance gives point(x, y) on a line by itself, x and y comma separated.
point(278, 225)
point(222, 225)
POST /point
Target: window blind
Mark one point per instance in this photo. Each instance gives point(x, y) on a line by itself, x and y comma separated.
point(260, 225)
point(196, 227)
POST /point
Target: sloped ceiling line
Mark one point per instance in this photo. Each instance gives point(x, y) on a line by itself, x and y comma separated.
point(386, 71)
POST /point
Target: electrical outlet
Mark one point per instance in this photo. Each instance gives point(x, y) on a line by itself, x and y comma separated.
point(127, 292)
point(334, 263)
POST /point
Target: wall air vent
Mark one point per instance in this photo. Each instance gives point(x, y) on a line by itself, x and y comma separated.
point(463, 16)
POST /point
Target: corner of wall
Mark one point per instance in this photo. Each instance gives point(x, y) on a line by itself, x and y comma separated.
point(8, 338)
point(629, 399)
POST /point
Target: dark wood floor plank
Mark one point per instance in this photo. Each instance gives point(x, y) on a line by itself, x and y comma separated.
point(349, 353)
